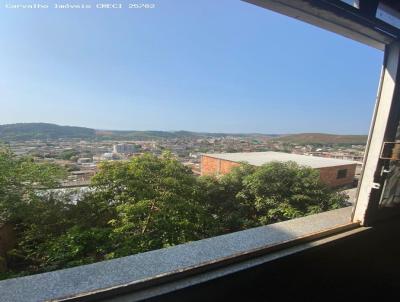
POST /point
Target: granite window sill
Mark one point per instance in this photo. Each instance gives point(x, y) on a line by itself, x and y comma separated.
point(206, 259)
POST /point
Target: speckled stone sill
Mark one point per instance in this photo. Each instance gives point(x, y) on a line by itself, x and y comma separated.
point(143, 269)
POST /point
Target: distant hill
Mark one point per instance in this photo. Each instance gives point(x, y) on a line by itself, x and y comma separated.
point(324, 139)
point(44, 131)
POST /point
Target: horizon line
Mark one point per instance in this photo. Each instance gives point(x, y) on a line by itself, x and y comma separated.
point(182, 130)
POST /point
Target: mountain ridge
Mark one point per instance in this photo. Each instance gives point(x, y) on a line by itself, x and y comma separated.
point(48, 131)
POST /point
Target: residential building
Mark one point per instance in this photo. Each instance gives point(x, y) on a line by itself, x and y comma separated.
point(333, 172)
point(124, 148)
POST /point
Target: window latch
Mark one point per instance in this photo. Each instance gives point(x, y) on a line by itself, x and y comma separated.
point(376, 186)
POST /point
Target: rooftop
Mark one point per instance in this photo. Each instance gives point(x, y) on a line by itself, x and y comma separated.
point(261, 158)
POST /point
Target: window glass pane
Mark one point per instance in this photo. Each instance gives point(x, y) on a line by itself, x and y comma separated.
point(342, 173)
point(128, 128)
point(388, 15)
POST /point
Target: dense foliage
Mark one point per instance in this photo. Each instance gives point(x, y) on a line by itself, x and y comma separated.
point(143, 204)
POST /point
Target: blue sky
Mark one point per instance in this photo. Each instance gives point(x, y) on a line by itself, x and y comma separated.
point(217, 66)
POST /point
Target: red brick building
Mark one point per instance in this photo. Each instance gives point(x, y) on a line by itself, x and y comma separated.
point(333, 172)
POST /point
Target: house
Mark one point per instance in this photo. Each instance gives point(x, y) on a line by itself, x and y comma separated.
point(333, 172)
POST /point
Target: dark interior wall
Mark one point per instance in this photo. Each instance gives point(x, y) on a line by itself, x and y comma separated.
point(7, 242)
point(363, 266)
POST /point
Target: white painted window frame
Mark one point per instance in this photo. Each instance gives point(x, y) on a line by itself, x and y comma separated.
point(371, 181)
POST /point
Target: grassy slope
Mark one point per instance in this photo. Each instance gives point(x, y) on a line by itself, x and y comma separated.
point(322, 138)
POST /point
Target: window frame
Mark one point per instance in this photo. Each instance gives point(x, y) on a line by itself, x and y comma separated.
point(371, 180)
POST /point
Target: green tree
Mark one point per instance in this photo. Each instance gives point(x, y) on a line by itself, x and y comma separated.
point(220, 196)
point(20, 181)
point(68, 155)
point(20, 177)
point(284, 190)
point(133, 206)
point(156, 201)
point(143, 204)
point(252, 196)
